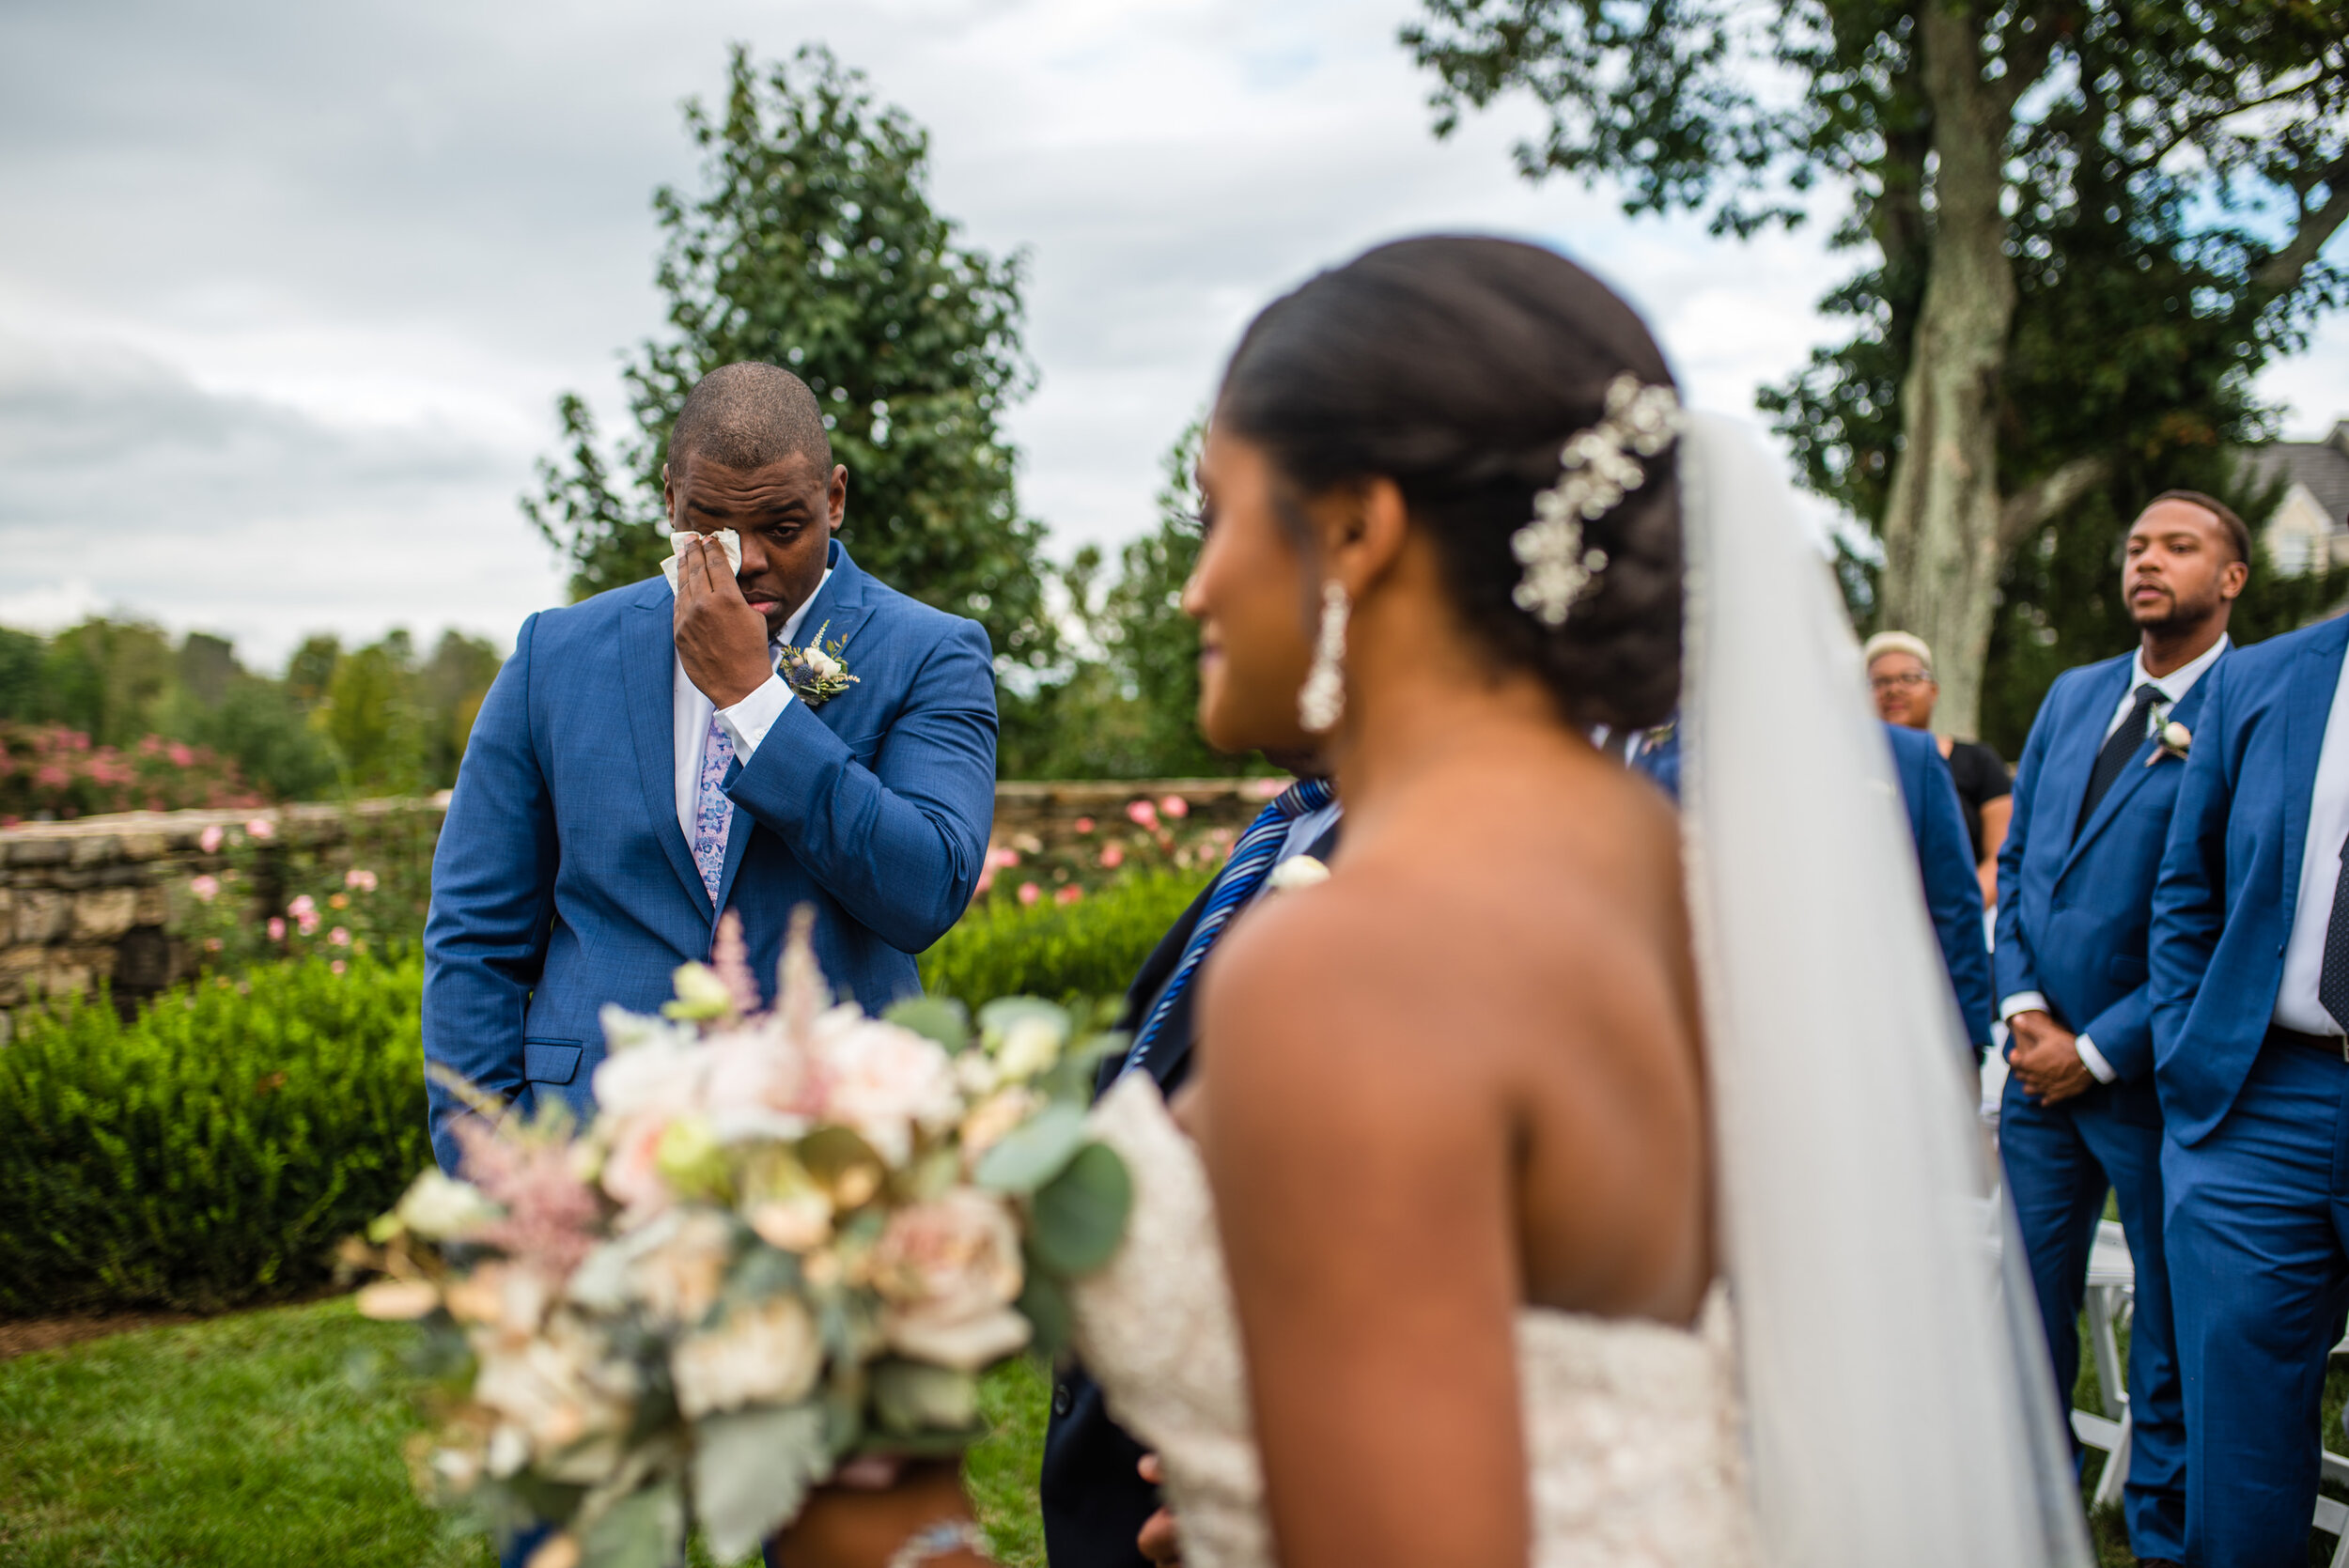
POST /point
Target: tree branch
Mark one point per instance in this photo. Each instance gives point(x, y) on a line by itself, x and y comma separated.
point(2280, 273)
point(2035, 502)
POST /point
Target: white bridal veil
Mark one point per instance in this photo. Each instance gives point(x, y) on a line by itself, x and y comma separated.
point(1899, 1402)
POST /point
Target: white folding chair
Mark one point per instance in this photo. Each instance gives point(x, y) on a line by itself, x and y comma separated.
point(2333, 1518)
point(2111, 1303)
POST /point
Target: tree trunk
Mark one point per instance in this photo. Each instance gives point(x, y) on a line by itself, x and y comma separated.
point(1943, 543)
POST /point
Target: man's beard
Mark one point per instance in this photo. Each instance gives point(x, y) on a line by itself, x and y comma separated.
point(2178, 615)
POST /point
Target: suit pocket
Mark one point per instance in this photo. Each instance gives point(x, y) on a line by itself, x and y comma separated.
point(863, 748)
point(551, 1061)
point(2125, 970)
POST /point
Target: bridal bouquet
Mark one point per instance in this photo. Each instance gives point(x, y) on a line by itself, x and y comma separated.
point(789, 1242)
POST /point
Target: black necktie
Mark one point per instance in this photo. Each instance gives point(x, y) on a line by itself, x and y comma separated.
point(2120, 746)
point(2332, 981)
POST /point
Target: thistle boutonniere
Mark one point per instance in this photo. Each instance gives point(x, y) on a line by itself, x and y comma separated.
point(2170, 738)
point(816, 673)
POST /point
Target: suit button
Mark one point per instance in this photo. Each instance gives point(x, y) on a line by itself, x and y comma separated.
point(1061, 1400)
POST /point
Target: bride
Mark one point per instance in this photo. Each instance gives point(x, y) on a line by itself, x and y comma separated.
point(1563, 1182)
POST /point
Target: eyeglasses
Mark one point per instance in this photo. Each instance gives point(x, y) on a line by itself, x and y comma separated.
point(1899, 682)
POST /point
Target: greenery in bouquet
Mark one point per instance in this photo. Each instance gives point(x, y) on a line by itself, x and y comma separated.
point(260, 898)
point(788, 1241)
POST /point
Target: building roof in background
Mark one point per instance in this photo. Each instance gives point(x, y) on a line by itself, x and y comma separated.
point(2320, 466)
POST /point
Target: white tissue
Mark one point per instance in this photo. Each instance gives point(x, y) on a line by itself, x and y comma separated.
point(728, 540)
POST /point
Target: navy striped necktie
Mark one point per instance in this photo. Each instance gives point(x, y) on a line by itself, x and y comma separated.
point(1242, 875)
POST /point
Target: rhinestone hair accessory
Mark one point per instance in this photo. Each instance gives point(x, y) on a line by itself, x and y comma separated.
point(1597, 468)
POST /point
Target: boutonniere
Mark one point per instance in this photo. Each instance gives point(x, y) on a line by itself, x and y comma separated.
point(816, 673)
point(2170, 738)
point(1297, 871)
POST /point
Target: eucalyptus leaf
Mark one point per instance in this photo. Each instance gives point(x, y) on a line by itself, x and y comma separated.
point(1045, 1305)
point(1004, 1014)
point(1079, 1216)
point(1035, 1152)
point(942, 1018)
point(916, 1396)
point(645, 1530)
point(751, 1471)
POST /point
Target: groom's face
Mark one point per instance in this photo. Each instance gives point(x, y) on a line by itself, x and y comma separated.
point(786, 513)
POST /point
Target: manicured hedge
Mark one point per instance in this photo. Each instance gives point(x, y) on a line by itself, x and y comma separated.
point(214, 1151)
point(1087, 949)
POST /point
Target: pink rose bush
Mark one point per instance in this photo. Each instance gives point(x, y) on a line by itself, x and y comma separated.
point(788, 1239)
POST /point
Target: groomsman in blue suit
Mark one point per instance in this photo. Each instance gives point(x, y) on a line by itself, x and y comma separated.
point(2251, 981)
point(2093, 802)
point(650, 758)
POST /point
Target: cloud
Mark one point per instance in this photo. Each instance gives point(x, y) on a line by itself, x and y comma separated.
point(132, 487)
point(317, 273)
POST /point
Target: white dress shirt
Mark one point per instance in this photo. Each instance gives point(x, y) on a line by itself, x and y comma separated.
point(2173, 688)
point(746, 723)
point(2297, 1005)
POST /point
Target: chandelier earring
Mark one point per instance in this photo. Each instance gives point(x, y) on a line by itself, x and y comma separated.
point(1321, 701)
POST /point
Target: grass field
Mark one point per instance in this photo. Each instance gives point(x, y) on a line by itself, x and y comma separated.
point(244, 1440)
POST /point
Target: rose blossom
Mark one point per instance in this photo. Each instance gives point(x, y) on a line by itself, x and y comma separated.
point(276, 928)
point(1143, 813)
point(1176, 807)
point(884, 1081)
point(949, 1271)
point(1083, 824)
point(340, 936)
point(336, 967)
point(262, 828)
point(209, 840)
point(205, 888)
point(1113, 856)
point(363, 881)
point(1068, 894)
point(767, 1353)
point(1030, 893)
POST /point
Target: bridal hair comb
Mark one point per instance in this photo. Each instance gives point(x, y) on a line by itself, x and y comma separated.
point(1597, 468)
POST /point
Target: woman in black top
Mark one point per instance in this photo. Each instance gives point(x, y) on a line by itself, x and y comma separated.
point(1900, 673)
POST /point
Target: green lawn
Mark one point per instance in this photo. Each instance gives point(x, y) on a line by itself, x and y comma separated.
point(243, 1440)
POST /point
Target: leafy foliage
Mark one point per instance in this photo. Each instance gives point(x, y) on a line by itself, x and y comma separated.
point(811, 244)
point(1090, 949)
point(2171, 173)
point(214, 1150)
point(1131, 710)
point(48, 771)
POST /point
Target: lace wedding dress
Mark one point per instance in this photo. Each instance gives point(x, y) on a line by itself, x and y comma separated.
point(1631, 1427)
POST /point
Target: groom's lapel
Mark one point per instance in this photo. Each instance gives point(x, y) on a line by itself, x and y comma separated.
point(649, 654)
point(838, 611)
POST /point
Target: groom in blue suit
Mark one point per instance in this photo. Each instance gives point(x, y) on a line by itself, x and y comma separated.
point(2251, 991)
point(2093, 802)
point(650, 758)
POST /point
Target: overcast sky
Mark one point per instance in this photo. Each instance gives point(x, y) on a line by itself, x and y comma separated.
point(288, 290)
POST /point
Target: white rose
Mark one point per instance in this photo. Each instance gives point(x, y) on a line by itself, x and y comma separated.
point(767, 1353)
point(820, 665)
point(570, 1395)
point(2176, 735)
point(1029, 1045)
point(948, 1271)
point(437, 1207)
point(679, 1279)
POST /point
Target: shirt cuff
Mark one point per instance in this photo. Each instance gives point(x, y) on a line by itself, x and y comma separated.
point(2023, 1001)
point(748, 721)
point(2093, 1060)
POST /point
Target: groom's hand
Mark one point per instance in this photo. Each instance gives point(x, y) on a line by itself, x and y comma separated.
point(721, 640)
point(2046, 1057)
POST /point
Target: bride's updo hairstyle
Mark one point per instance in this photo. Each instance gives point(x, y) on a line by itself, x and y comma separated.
point(1458, 367)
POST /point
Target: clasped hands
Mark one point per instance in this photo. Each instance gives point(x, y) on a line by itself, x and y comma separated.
point(722, 642)
point(2046, 1057)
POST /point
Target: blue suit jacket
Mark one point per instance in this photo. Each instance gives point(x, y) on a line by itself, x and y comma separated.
point(1945, 857)
point(2231, 874)
point(563, 880)
point(2076, 910)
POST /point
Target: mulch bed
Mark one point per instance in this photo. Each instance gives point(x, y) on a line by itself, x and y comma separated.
point(23, 1335)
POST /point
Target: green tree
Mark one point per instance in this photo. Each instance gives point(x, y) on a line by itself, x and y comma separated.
point(110, 679)
point(371, 717)
point(1131, 711)
point(450, 687)
point(811, 244)
point(2088, 223)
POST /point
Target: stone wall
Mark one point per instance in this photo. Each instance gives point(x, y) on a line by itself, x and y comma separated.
point(90, 900)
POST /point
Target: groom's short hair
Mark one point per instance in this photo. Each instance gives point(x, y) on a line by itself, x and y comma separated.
point(749, 415)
